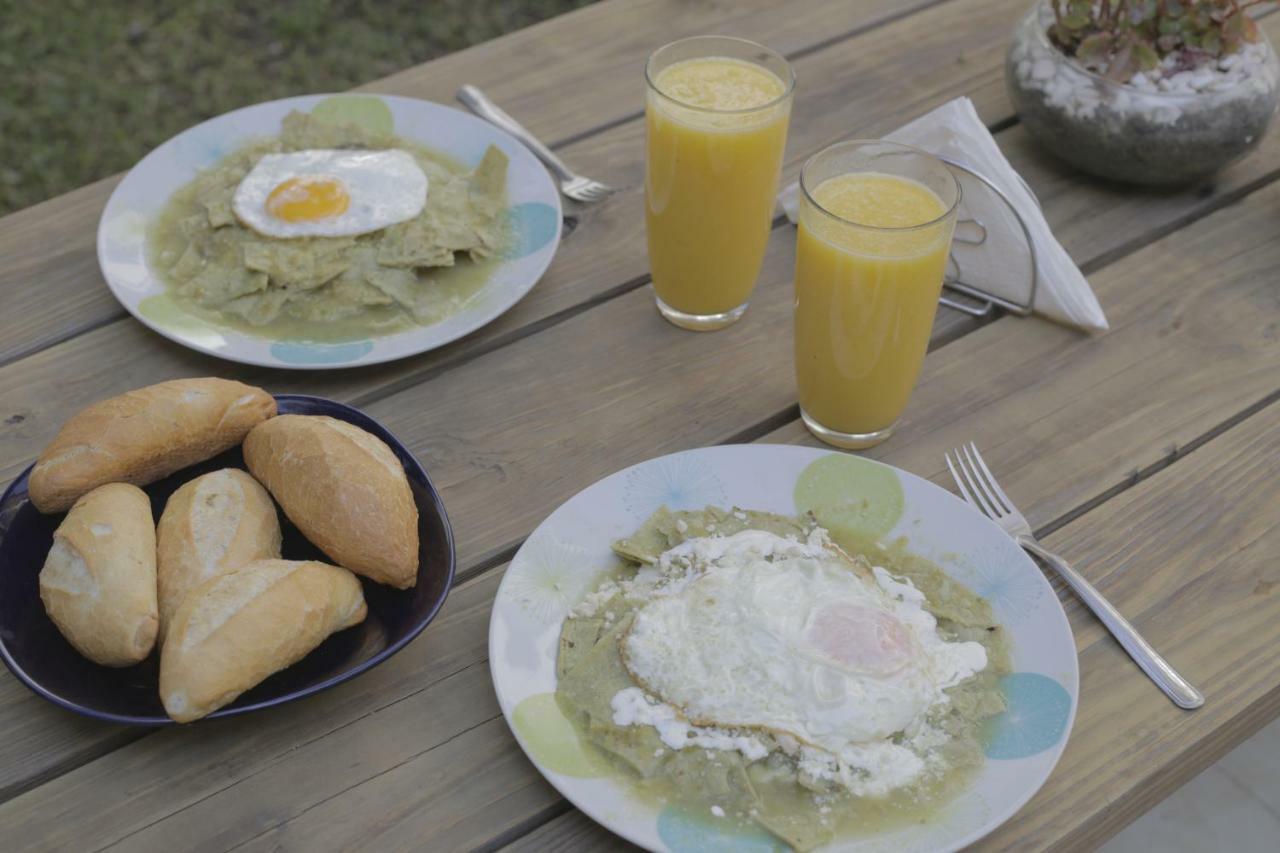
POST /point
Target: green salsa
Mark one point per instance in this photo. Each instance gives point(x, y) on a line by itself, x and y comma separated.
point(413, 273)
point(772, 793)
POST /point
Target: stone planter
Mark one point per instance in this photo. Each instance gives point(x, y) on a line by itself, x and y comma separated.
point(1159, 129)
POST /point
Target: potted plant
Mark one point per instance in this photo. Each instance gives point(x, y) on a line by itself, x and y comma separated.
point(1143, 91)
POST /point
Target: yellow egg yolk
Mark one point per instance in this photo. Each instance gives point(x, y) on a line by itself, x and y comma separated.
point(308, 198)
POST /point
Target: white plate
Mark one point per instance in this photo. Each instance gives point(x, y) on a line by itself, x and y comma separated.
point(535, 210)
point(564, 557)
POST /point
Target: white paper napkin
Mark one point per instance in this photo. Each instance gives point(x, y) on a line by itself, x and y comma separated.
point(954, 131)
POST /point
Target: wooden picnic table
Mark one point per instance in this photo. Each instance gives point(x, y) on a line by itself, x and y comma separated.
point(1150, 456)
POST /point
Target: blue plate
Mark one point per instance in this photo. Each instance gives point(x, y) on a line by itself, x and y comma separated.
point(38, 655)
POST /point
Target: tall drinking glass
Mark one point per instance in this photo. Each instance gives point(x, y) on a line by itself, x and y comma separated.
point(876, 220)
point(716, 113)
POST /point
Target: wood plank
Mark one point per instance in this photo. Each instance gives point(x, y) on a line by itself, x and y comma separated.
point(1192, 344)
point(582, 71)
point(65, 740)
point(124, 355)
point(1062, 414)
point(1097, 222)
point(203, 762)
point(564, 78)
point(569, 833)
point(1148, 551)
point(1189, 554)
point(582, 272)
point(1201, 584)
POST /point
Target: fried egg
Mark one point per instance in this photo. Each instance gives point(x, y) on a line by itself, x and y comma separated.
point(793, 638)
point(329, 193)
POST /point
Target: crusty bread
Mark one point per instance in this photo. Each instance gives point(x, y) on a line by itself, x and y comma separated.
point(98, 583)
point(212, 525)
point(344, 489)
point(236, 629)
point(144, 435)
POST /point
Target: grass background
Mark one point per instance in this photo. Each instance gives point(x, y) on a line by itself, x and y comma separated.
point(87, 87)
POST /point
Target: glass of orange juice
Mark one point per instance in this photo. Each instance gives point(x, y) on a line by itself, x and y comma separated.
point(716, 113)
point(876, 220)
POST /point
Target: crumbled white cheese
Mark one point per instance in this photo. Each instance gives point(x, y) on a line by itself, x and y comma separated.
point(745, 545)
point(631, 707)
point(589, 606)
point(865, 769)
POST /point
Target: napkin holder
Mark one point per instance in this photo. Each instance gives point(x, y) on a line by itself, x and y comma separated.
point(969, 297)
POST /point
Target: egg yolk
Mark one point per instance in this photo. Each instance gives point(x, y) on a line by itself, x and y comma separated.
point(861, 638)
point(308, 198)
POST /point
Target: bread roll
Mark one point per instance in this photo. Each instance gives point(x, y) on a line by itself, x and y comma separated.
point(344, 489)
point(236, 629)
point(144, 435)
point(98, 583)
point(212, 525)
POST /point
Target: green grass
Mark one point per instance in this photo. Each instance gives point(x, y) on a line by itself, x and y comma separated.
point(87, 87)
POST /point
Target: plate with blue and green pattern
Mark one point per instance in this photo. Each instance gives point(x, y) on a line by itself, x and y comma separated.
point(686, 651)
point(227, 276)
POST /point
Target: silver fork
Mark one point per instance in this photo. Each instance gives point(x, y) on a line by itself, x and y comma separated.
point(572, 185)
point(980, 489)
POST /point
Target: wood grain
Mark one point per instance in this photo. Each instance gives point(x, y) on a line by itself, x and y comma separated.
point(1192, 317)
point(569, 833)
point(564, 78)
point(1188, 554)
point(1193, 343)
point(582, 271)
point(503, 428)
point(1097, 222)
point(122, 354)
point(198, 765)
point(1061, 414)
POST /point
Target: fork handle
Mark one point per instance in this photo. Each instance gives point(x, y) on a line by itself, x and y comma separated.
point(478, 102)
point(1177, 688)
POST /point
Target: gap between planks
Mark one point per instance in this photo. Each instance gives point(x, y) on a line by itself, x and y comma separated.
point(786, 415)
point(1187, 442)
point(499, 556)
point(885, 20)
point(790, 414)
point(561, 806)
point(791, 56)
point(558, 143)
point(484, 346)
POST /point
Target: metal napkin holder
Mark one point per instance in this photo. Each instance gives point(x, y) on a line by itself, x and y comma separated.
point(978, 302)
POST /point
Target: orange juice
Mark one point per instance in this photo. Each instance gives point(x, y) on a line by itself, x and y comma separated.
point(866, 294)
point(716, 128)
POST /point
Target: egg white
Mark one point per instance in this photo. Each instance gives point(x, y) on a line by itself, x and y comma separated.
point(774, 634)
point(384, 187)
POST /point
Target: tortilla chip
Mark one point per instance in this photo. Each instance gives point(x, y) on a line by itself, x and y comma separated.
point(297, 267)
point(258, 309)
point(215, 285)
point(577, 638)
point(302, 131)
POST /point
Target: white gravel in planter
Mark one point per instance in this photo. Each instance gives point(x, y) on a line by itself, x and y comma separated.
point(1153, 94)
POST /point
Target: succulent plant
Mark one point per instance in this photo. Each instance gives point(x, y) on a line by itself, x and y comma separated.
point(1119, 38)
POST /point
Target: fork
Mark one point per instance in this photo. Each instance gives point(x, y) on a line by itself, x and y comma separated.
point(983, 493)
point(572, 185)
